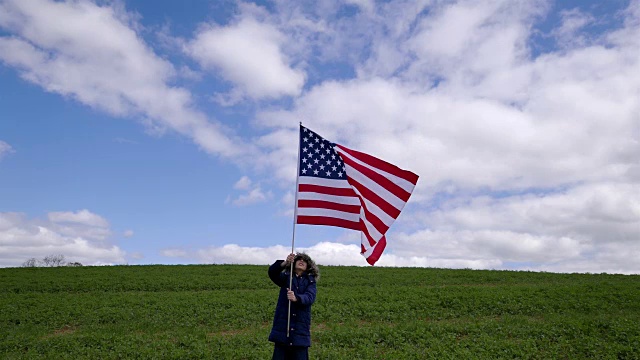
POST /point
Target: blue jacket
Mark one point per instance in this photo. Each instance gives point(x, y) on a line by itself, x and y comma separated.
point(304, 287)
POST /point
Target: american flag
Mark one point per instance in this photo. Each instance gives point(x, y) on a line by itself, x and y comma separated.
point(341, 187)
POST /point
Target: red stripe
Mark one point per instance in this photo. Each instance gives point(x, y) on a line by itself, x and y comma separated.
point(321, 204)
point(326, 190)
point(322, 220)
point(389, 185)
point(374, 198)
point(377, 251)
point(381, 164)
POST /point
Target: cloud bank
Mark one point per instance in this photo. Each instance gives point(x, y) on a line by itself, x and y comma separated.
point(80, 236)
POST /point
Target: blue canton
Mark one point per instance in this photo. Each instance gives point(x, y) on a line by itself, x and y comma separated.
point(318, 157)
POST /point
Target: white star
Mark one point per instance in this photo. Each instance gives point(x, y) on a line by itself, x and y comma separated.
point(321, 167)
point(322, 145)
point(304, 160)
point(304, 171)
point(334, 168)
point(315, 161)
point(310, 155)
point(315, 172)
point(317, 151)
point(305, 139)
point(340, 174)
point(322, 156)
point(328, 162)
point(317, 140)
point(309, 166)
point(328, 173)
point(304, 150)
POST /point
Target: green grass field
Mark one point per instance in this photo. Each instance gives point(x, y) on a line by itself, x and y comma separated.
point(225, 312)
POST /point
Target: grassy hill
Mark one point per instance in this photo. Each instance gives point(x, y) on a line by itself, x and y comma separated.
point(225, 312)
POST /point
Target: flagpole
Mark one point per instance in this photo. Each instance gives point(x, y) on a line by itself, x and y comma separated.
point(293, 237)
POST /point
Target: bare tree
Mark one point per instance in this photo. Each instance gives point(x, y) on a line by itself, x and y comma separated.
point(53, 260)
point(49, 261)
point(33, 262)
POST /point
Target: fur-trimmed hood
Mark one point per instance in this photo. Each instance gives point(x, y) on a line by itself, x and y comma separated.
point(312, 267)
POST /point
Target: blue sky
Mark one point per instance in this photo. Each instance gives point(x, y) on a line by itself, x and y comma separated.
point(163, 132)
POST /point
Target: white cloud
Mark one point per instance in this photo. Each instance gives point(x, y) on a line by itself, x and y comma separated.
point(252, 196)
point(248, 54)
point(329, 253)
point(253, 193)
point(82, 217)
point(243, 183)
point(80, 237)
point(128, 233)
point(574, 20)
point(5, 149)
point(324, 253)
point(93, 54)
point(558, 231)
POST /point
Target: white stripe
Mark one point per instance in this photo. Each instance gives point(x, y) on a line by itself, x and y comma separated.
point(310, 180)
point(404, 184)
point(346, 200)
point(376, 188)
point(328, 213)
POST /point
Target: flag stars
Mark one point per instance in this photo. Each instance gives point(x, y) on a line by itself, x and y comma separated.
point(319, 157)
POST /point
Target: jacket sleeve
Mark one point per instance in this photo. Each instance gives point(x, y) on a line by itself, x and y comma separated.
point(309, 295)
point(276, 274)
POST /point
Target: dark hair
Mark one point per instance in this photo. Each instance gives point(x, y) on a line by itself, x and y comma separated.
point(312, 268)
